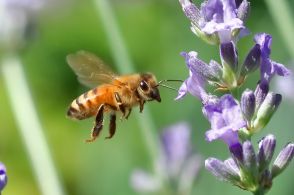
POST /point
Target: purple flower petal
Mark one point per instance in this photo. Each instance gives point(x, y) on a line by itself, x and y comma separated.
point(196, 82)
point(226, 134)
point(280, 69)
point(226, 119)
point(194, 86)
point(268, 67)
point(212, 10)
point(220, 16)
point(3, 177)
point(285, 86)
point(217, 17)
point(182, 91)
point(265, 41)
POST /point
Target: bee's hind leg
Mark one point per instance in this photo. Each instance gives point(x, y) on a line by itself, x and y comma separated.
point(112, 125)
point(98, 124)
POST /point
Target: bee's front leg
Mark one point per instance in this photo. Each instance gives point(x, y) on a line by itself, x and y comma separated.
point(142, 102)
point(112, 126)
point(98, 124)
point(129, 112)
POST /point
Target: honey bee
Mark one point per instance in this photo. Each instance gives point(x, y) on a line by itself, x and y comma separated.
point(111, 93)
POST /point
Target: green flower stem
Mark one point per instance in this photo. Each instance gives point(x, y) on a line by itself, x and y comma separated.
point(235, 93)
point(259, 191)
point(125, 65)
point(281, 14)
point(29, 126)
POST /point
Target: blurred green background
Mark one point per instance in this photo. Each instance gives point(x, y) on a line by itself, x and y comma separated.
point(155, 32)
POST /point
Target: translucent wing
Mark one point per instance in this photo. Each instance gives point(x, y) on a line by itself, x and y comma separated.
point(90, 69)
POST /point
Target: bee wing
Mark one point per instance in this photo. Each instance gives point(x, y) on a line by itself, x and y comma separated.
point(90, 69)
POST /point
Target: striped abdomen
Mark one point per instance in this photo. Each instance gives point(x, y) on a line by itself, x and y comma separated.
point(87, 104)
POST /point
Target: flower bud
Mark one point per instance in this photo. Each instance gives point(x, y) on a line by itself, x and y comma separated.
point(283, 159)
point(248, 104)
point(243, 10)
point(266, 110)
point(252, 61)
point(221, 171)
point(237, 153)
point(266, 150)
point(229, 58)
point(250, 163)
point(260, 93)
point(231, 164)
point(229, 55)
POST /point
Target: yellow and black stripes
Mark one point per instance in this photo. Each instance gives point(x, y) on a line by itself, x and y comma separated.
point(84, 105)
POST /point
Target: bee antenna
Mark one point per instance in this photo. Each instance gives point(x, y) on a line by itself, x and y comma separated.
point(166, 86)
point(170, 80)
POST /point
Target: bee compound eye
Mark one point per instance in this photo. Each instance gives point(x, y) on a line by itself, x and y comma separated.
point(144, 85)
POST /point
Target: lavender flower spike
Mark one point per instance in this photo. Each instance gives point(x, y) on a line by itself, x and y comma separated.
point(217, 20)
point(3, 177)
point(225, 118)
point(177, 149)
point(15, 18)
point(268, 68)
point(177, 163)
point(249, 171)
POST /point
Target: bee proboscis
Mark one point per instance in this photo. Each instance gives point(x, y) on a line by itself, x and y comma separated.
point(111, 93)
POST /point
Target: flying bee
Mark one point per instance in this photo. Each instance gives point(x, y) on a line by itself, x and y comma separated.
point(112, 93)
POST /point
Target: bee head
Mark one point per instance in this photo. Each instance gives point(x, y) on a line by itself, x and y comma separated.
point(147, 88)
